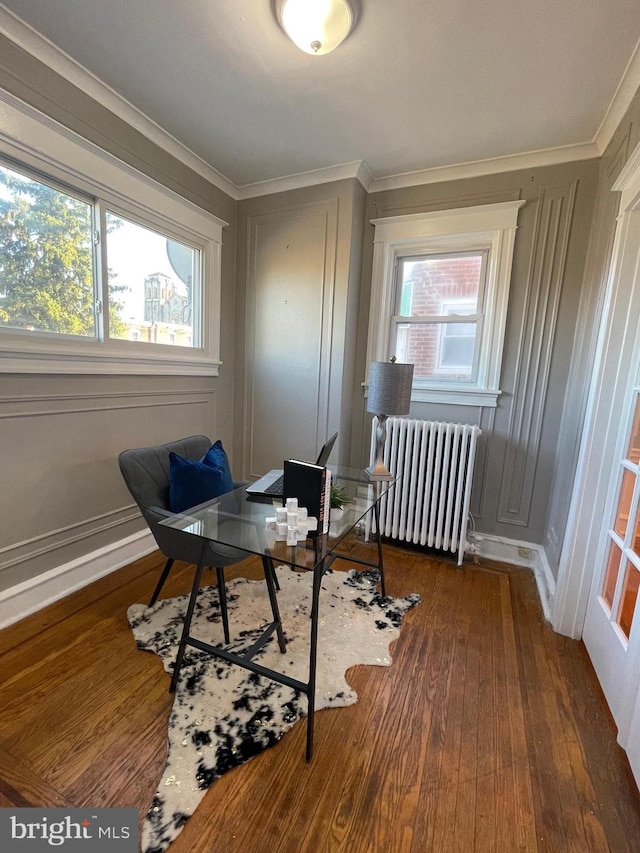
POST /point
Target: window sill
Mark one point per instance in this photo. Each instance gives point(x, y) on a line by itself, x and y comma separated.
point(457, 396)
point(452, 396)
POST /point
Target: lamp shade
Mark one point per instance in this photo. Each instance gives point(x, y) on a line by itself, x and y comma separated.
point(316, 26)
point(389, 388)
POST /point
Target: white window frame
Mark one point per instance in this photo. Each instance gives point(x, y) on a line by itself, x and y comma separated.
point(488, 228)
point(30, 138)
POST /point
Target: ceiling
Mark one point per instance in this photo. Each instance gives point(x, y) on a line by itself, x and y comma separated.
point(418, 86)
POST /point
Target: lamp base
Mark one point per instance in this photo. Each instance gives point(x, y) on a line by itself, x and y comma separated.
point(378, 473)
point(378, 470)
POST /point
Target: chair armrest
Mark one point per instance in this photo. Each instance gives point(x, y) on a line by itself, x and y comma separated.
point(158, 510)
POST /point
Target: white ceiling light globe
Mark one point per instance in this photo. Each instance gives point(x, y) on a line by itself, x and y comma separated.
point(316, 26)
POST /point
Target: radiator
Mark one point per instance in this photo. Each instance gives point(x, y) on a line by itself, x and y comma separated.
point(429, 505)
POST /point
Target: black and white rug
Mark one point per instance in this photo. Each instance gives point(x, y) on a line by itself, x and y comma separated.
point(223, 715)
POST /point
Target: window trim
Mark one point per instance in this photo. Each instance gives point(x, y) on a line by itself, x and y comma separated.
point(41, 145)
point(487, 227)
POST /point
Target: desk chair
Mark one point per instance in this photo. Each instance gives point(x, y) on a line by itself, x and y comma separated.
point(146, 473)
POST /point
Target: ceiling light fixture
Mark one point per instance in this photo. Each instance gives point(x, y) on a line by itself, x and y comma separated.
point(316, 26)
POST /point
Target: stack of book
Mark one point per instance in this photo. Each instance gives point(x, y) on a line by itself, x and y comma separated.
point(311, 485)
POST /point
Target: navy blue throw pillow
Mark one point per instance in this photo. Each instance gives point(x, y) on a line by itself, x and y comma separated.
point(192, 483)
point(216, 457)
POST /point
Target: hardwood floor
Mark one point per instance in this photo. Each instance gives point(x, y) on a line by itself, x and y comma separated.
point(487, 733)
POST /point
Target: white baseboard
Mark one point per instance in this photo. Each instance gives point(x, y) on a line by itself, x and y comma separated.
point(25, 598)
point(526, 554)
point(32, 595)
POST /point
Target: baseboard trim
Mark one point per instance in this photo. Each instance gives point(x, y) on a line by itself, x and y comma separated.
point(26, 598)
point(29, 596)
point(526, 554)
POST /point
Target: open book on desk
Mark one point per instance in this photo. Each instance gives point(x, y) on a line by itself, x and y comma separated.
point(311, 485)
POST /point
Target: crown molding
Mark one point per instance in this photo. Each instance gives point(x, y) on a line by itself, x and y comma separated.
point(22, 141)
point(36, 45)
point(492, 166)
point(53, 57)
point(365, 175)
point(357, 169)
point(624, 94)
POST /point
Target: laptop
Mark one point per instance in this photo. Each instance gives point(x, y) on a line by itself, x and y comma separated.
point(270, 485)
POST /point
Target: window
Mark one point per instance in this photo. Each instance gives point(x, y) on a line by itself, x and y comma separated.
point(439, 295)
point(101, 269)
point(153, 284)
point(433, 294)
point(46, 258)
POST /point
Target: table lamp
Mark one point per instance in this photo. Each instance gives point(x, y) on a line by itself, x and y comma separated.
point(389, 394)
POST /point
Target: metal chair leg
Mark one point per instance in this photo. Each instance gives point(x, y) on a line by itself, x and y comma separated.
point(222, 592)
point(160, 584)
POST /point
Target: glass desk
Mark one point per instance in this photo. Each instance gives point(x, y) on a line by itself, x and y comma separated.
point(239, 521)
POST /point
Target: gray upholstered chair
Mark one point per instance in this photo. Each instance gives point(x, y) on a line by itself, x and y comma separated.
point(146, 473)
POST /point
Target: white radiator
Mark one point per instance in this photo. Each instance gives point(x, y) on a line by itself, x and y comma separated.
point(429, 505)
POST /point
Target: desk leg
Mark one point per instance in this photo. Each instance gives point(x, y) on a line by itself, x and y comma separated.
point(376, 515)
point(318, 572)
point(187, 621)
point(271, 580)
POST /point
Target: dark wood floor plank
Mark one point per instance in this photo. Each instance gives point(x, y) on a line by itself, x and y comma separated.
point(584, 791)
point(571, 817)
point(597, 754)
point(444, 639)
point(456, 764)
point(458, 827)
point(410, 744)
point(491, 712)
point(22, 787)
point(545, 782)
point(397, 752)
point(515, 764)
point(504, 767)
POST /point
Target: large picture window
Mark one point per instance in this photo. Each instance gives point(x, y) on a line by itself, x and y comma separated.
point(439, 296)
point(101, 269)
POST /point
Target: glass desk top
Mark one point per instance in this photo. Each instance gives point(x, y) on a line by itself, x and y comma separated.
point(238, 520)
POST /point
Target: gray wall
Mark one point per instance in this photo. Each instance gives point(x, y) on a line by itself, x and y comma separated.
point(514, 469)
point(280, 237)
point(519, 446)
point(62, 495)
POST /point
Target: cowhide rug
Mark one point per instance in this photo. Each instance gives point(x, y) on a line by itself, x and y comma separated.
point(223, 715)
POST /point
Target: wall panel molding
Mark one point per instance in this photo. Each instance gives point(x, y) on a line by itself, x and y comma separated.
point(486, 422)
point(39, 405)
point(53, 540)
point(544, 286)
point(324, 248)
